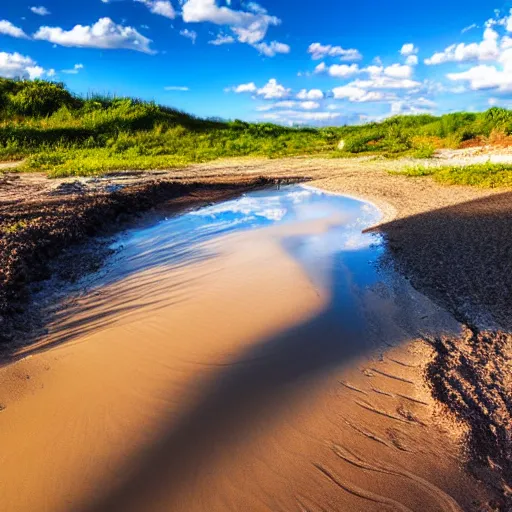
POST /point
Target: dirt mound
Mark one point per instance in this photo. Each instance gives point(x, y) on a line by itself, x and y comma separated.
point(472, 376)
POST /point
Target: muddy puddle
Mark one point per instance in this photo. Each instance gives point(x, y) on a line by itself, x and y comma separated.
point(249, 355)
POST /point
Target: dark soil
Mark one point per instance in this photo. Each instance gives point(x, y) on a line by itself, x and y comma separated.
point(461, 256)
point(472, 377)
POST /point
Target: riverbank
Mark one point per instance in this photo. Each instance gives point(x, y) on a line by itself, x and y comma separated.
point(40, 219)
point(221, 366)
point(452, 243)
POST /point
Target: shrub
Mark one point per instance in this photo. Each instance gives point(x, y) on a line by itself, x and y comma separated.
point(425, 151)
point(39, 98)
point(362, 143)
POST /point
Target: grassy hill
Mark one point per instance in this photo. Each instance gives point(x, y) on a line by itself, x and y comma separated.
point(64, 134)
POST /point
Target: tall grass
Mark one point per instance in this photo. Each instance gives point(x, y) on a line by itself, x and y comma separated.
point(488, 175)
point(64, 134)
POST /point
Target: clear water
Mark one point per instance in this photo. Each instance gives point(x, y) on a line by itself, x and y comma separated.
point(330, 233)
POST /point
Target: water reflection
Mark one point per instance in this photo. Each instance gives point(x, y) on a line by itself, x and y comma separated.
point(182, 240)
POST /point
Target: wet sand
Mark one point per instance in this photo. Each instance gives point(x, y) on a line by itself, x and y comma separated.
point(239, 381)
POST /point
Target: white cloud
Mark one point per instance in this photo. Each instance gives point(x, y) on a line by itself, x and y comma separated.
point(41, 11)
point(412, 106)
point(319, 51)
point(273, 90)
point(289, 104)
point(398, 71)
point(394, 76)
point(249, 26)
point(338, 70)
point(408, 49)
point(497, 76)
point(386, 82)
point(468, 28)
point(492, 58)
point(74, 70)
point(412, 60)
point(222, 39)
point(250, 87)
point(15, 65)
point(103, 34)
point(486, 50)
point(484, 77)
point(176, 88)
point(272, 48)
point(313, 94)
point(8, 29)
point(160, 7)
point(309, 105)
point(321, 68)
point(254, 7)
point(357, 94)
point(189, 34)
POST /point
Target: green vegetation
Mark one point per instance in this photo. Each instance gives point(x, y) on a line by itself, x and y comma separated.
point(66, 135)
point(63, 134)
point(487, 175)
point(14, 228)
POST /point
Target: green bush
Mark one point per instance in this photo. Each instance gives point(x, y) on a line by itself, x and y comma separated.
point(361, 143)
point(487, 175)
point(39, 99)
point(424, 151)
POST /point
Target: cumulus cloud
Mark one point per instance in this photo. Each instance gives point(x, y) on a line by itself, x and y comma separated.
point(398, 71)
point(313, 94)
point(486, 50)
point(272, 48)
point(160, 7)
point(222, 39)
point(408, 49)
point(250, 87)
point(484, 77)
point(74, 70)
point(249, 26)
point(104, 34)
point(394, 76)
point(41, 11)
point(319, 51)
point(15, 65)
point(189, 34)
point(386, 82)
point(338, 70)
point(492, 58)
point(176, 88)
point(412, 60)
point(357, 94)
point(273, 90)
point(8, 29)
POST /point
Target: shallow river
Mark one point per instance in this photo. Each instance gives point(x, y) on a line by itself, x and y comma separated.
point(251, 355)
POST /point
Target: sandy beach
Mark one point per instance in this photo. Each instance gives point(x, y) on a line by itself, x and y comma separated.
point(120, 413)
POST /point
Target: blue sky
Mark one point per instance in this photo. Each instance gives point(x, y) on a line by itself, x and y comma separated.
point(323, 62)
